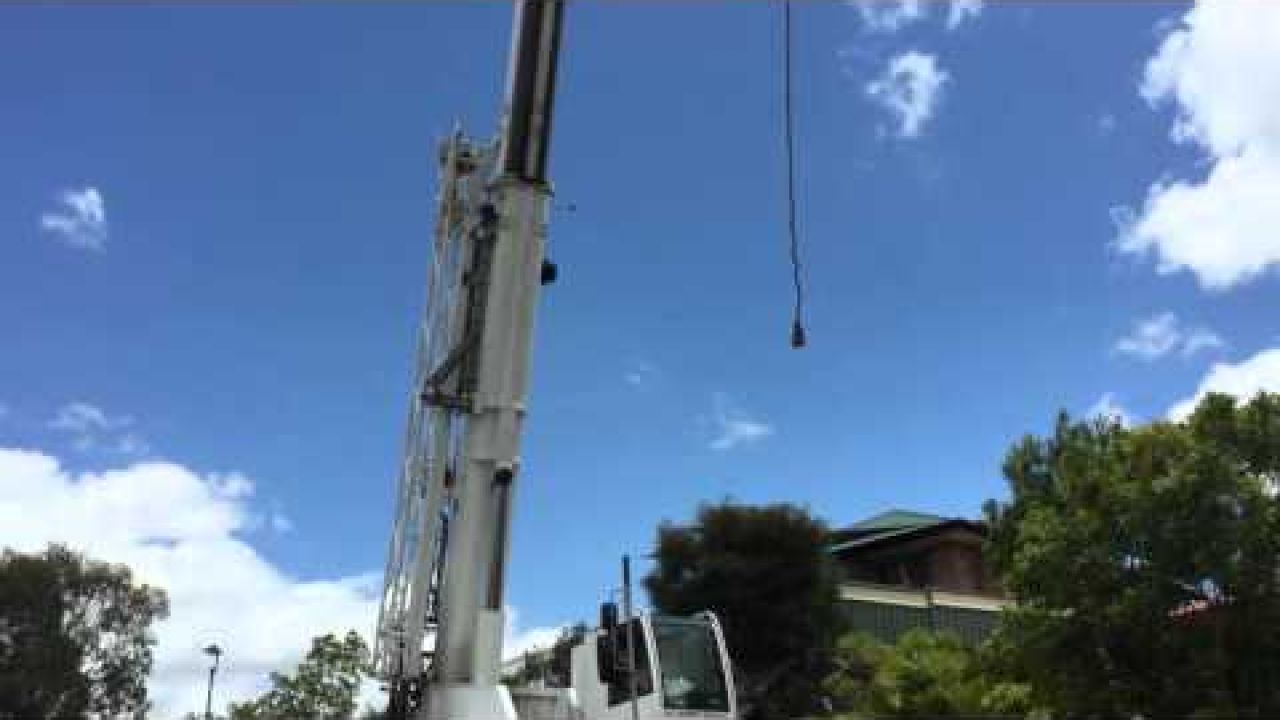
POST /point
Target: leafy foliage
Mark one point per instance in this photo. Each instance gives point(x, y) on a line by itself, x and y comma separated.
point(766, 574)
point(323, 686)
point(1144, 564)
point(551, 666)
point(75, 636)
point(536, 666)
point(923, 675)
point(560, 667)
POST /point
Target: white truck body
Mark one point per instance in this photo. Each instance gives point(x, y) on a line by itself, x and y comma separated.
point(682, 672)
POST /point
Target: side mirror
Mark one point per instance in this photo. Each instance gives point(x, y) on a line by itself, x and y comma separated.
point(608, 617)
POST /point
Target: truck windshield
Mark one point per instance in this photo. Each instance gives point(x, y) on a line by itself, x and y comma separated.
point(693, 675)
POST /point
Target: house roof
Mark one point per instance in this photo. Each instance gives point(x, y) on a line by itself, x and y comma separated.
point(893, 519)
point(893, 524)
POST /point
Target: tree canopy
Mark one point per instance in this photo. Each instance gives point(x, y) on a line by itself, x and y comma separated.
point(551, 666)
point(922, 675)
point(766, 574)
point(75, 636)
point(322, 687)
point(1144, 564)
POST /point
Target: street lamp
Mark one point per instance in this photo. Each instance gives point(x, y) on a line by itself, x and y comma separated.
point(216, 652)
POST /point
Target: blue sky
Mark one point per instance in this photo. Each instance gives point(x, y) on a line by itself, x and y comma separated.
point(234, 284)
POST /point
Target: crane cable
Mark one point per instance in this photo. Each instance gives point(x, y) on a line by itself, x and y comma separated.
point(798, 338)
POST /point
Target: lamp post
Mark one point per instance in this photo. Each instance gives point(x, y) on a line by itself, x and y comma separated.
point(216, 652)
point(632, 677)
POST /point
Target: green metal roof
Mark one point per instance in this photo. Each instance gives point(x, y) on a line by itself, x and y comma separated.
point(897, 519)
point(885, 525)
point(875, 536)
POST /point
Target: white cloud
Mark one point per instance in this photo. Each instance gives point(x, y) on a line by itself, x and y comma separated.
point(1216, 68)
point(732, 427)
point(1243, 380)
point(909, 89)
point(1151, 338)
point(92, 428)
point(1198, 339)
point(279, 522)
point(962, 10)
point(183, 531)
point(1162, 334)
point(82, 417)
point(80, 221)
point(516, 641)
point(888, 16)
point(131, 444)
point(1106, 123)
point(641, 375)
point(1108, 407)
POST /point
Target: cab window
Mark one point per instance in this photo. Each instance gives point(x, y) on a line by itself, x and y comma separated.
point(693, 675)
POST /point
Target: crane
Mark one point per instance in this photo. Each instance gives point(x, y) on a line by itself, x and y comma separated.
point(438, 643)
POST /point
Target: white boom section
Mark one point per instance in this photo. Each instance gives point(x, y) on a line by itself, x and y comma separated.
point(439, 639)
point(425, 499)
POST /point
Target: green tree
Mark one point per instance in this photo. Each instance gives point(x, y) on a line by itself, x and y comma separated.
point(766, 574)
point(1144, 564)
point(923, 675)
point(75, 636)
point(323, 687)
point(560, 668)
point(535, 667)
point(550, 665)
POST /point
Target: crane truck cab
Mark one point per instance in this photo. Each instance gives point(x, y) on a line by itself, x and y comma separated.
point(682, 670)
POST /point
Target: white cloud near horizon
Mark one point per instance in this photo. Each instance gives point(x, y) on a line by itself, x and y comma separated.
point(517, 640)
point(1216, 69)
point(1163, 333)
point(909, 89)
point(1107, 406)
point(1244, 379)
point(732, 427)
point(80, 220)
point(190, 534)
point(185, 532)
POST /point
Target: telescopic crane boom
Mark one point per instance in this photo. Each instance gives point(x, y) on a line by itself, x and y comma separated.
point(439, 634)
point(439, 640)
